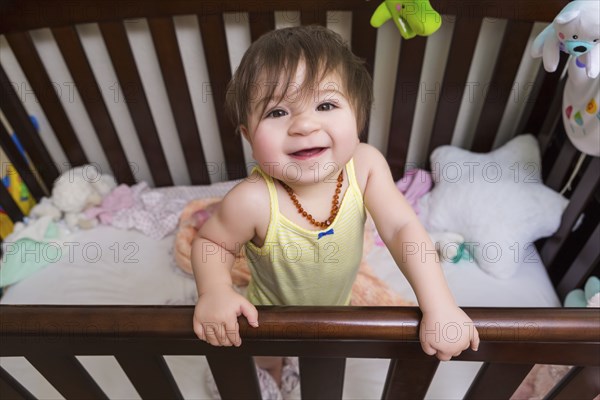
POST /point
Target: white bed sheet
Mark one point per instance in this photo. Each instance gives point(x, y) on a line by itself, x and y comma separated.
point(127, 267)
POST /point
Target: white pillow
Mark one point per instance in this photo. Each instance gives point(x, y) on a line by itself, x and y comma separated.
point(496, 200)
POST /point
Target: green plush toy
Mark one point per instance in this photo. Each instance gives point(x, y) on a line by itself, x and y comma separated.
point(588, 297)
point(412, 17)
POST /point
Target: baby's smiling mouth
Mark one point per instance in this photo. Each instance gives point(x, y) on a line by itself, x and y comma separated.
point(308, 153)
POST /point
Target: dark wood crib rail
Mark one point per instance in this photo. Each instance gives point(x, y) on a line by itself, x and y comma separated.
point(512, 341)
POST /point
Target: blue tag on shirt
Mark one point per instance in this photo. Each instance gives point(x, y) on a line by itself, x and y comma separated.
point(321, 234)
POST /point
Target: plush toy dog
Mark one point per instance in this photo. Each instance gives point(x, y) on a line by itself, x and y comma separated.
point(575, 30)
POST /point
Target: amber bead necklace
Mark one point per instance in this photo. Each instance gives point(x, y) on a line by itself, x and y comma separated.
point(334, 203)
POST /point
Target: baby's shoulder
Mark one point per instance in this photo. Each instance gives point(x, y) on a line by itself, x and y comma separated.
point(248, 200)
point(366, 160)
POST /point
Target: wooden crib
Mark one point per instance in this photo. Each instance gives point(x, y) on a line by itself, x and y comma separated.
point(513, 340)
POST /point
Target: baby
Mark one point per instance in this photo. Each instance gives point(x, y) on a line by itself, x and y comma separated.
point(301, 98)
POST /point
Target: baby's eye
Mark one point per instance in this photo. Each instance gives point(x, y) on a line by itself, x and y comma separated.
point(575, 37)
point(276, 113)
point(326, 107)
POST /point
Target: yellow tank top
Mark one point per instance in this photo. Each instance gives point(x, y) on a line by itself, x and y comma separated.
point(297, 266)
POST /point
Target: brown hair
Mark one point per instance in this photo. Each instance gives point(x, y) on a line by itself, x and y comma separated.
point(322, 50)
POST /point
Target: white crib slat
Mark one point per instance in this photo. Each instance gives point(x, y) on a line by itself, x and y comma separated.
point(79, 67)
point(214, 41)
point(11, 388)
point(33, 67)
point(122, 58)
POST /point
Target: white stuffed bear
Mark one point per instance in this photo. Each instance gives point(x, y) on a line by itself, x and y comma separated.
point(575, 30)
point(75, 191)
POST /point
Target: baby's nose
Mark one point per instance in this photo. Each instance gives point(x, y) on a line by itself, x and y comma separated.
point(304, 124)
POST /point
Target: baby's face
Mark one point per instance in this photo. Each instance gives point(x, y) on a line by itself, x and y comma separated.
point(307, 136)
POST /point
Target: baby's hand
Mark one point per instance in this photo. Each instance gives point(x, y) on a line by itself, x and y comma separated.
point(447, 332)
point(215, 316)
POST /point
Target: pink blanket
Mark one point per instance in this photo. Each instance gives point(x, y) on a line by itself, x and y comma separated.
point(152, 212)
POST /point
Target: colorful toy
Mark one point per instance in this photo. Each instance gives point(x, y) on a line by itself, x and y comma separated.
point(588, 297)
point(580, 109)
point(412, 17)
point(16, 187)
point(575, 30)
point(450, 246)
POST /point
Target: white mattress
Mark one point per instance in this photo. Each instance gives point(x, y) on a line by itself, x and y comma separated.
point(130, 268)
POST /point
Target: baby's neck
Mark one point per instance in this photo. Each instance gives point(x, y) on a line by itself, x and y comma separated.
point(316, 198)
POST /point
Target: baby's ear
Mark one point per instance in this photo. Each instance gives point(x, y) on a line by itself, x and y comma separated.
point(244, 131)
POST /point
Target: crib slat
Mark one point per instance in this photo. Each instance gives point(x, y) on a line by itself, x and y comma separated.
point(261, 23)
point(364, 38)
point(548, 132)
point(240, 370)
point(547, 86)
point(513, 44)
point(72, 51)
point(561, 167)
point(497, 381)
point(405, 101)
point(322, 378)
point(583, 193)
point(25, 171)
point(10, 388)
point(466, 32)
point(17, 116)
point(67, 375)
point(150, 376)
point(118, 47)
point(579, 383)
point(171, 66)
point(409, 379)
point(212, 29)
point(32, 66)
point(8, 204)
point(583, 265)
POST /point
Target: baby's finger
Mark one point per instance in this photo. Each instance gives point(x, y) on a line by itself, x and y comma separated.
point(443, 356)
point(212, 334)
point(250, 312)
point(233, 334)
point(428, 349)
point(475, 341)
point(224, 336)
point(199, 331)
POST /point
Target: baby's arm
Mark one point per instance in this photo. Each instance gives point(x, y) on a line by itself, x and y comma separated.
point(445, 329)
point(213, 253)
